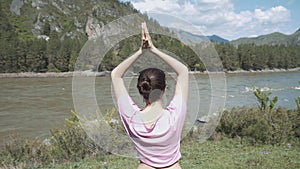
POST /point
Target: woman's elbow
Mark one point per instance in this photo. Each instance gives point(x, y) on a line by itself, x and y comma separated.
point(185, 70)
point(114, 74)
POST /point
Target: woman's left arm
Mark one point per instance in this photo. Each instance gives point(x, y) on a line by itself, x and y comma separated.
point(119, 71)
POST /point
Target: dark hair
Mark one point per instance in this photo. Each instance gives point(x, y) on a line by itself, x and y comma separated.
point(151, 84)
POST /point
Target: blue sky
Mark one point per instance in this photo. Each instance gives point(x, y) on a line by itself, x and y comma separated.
point(230, 19)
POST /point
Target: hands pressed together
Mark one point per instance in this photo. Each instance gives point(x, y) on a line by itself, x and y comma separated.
point(180, 69)
point(146, 39)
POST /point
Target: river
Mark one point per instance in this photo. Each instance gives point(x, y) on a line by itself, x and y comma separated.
point(32, 106)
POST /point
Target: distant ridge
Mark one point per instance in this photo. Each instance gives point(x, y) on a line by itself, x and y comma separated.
point(275, 38)
point(218, 39)
point(191, 38)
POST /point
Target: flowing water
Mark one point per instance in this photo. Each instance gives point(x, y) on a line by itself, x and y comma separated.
point(32, 106)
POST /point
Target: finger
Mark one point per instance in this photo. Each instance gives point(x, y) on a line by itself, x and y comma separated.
point(147, 33)
point(146, 29)
point(143, 30)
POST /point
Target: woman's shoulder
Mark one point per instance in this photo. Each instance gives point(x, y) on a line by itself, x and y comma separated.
point(126, 105)
point(177, 102)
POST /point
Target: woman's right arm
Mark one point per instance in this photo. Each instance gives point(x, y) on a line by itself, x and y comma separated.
point(180, 69)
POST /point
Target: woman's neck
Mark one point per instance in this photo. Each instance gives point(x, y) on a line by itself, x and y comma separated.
point(155, 104)
point(152, 112)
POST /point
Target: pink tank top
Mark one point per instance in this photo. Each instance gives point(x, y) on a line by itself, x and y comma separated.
point(159, 145)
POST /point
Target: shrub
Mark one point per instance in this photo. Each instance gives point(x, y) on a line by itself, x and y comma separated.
point(16, 150)
point(266, 103)
point(297, 100)
point(252, 127)
point(265, 124)
point(69, 143)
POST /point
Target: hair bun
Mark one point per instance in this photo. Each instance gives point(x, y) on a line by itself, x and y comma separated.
point(150, 81)
point(146, 86)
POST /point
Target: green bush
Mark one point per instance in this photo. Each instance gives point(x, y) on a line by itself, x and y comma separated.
point(17, 150)
point(263, 125)
point(252, 126)
point(69, 143)
point(297, 100)
point(266, 103)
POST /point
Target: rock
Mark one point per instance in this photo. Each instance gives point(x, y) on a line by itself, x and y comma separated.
point(203, 119)
point(15, 6)
point(77, 23)
point(38, 4)
point(92, 28)
point(62, 8)
point(45, 37)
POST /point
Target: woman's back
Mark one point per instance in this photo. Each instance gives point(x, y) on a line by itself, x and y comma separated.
point(151, 113)
point(157, 145)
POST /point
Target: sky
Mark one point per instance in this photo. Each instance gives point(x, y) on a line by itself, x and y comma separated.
point(229, 19)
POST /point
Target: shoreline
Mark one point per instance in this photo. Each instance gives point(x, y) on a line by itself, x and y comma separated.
point(54, 74)
point(265, 71)
point(107, 73)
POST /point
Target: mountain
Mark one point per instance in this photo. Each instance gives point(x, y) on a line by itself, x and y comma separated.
point(275, 38)
point(191, 38)
point(37, 18)
point(48, 35)
point(216, 38)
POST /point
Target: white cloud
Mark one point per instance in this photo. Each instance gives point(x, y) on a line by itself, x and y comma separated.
point(156, 5)
point(275, 15)
point(218, 16)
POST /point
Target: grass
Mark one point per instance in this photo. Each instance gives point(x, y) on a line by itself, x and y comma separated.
point(227, 153)
point(231, 154)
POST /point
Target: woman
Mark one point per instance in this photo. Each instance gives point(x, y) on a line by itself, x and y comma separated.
point(155, 131)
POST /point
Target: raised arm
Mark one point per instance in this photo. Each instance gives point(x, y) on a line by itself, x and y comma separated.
point(119, 71)
point(180, 69)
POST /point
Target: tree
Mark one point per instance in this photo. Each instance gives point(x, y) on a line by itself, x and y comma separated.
point(76, 47)
point(64, 55)
point(53, 47)
point(36, 57)
point(22, 50)
point(228, 56)
point(46, 29)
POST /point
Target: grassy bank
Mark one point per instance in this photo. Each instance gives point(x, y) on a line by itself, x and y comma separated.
point(226, 153)
point(244, 138)
point(257, 137)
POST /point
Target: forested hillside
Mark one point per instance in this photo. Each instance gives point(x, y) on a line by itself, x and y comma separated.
point(258, 57)
point(275, 38)
point(47, 36)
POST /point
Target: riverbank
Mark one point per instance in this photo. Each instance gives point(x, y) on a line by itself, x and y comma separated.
point(89, 73)
point(53, 74)
point(265, 71)
point(236, 143)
